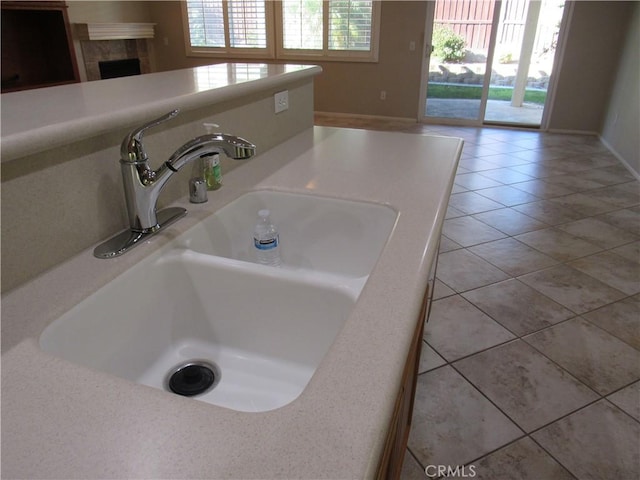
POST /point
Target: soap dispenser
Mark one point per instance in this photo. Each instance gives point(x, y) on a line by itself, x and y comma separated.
point(211, 164)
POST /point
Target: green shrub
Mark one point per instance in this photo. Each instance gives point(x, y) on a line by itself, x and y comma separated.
point(447, 45)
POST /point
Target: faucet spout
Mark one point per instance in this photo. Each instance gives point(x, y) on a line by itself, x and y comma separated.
point(232, 146)
point(142, 184)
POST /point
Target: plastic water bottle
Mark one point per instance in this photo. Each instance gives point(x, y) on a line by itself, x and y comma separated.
point(266, 240)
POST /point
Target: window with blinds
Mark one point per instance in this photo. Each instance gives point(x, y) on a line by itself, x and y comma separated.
point(228, 27)
point(247, 24)
point(335, 29)
point(206, 23)
point(327, 27)
point(350, 24)
point(302, 24)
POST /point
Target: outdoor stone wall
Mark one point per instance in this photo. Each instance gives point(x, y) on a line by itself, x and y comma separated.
point(471, 74)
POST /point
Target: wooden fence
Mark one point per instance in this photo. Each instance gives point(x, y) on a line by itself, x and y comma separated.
point(472, 20)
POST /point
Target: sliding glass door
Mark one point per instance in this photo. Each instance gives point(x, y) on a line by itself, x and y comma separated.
point(523, 61)
point(459, 55)
point(489, 61)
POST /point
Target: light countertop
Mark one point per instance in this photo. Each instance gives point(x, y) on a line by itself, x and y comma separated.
point(61, 420)
point(40, 119)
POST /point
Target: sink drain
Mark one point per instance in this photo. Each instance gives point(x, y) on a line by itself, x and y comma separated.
point(193, 378)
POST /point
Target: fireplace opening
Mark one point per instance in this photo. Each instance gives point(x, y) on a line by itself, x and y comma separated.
point(119, 68)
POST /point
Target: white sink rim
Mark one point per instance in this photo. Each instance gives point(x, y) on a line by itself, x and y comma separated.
point(298, 362)
point(228, 231)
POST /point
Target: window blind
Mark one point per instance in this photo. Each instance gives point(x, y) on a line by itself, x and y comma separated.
point(340, 30)
point(247, 24)
point(302, 24)
point(206, 23)
point(246, 20)
point(350, 24)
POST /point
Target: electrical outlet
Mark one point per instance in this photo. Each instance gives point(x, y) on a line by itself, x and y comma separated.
point(412, 46)
point(281, 101)
point(383, 94)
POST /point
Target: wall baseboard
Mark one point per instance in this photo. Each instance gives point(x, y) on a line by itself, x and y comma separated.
point(359, 117)
point(572, 132)
point(620, 157)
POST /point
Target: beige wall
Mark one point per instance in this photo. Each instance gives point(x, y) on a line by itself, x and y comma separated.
point(356, 87)
point(103, 11)
point(169, 42)
point(595, 40)
point(620, 130)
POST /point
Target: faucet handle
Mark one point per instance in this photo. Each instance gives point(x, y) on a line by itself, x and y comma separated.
point(132, 149)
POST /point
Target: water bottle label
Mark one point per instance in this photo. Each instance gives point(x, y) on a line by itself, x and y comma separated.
point(266, 244)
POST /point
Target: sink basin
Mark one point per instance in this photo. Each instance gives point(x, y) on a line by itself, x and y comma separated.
point(319, 234)
point(262, 331)
point(265, 332)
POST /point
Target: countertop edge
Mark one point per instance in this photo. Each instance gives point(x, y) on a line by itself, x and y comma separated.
point(51, 136)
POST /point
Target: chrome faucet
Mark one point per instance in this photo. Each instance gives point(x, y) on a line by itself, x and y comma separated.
point(142, 184)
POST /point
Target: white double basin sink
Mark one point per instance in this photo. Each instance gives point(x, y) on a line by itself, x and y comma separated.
point(202, 298)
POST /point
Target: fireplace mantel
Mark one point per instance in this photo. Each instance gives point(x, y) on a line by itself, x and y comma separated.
point(113, 31)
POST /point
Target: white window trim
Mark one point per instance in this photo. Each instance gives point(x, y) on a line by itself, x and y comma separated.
point(274, 36)
point(267, 53)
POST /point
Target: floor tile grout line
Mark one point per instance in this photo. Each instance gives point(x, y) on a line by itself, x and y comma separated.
point(591, 402)
point(561, 367)
point(451, 363)
point(524, 433)
point(517, 278)
point(582, 316)
point(518, 336)
point(549, 226)
point(539, 351)
point(518, 440)
point(553, 456)
point(566, 264)
point(505, 413)
point(548, 163)
point(533, 331)
point(620, 408)
point(560, 262)
point(550, 199)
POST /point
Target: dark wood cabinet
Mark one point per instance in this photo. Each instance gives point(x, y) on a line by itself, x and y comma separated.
point(398, 434)
point(37, 49)
point(390, 466)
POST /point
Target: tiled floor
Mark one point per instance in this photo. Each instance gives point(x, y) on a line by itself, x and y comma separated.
point(531, 361)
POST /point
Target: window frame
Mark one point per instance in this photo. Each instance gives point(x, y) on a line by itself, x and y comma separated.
point(275, 40)
point(267, 53)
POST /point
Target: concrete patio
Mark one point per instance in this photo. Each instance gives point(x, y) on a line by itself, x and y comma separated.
point(497, 111)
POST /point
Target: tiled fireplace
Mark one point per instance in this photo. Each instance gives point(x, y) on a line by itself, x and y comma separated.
point(111, 42)
point(96, 51)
